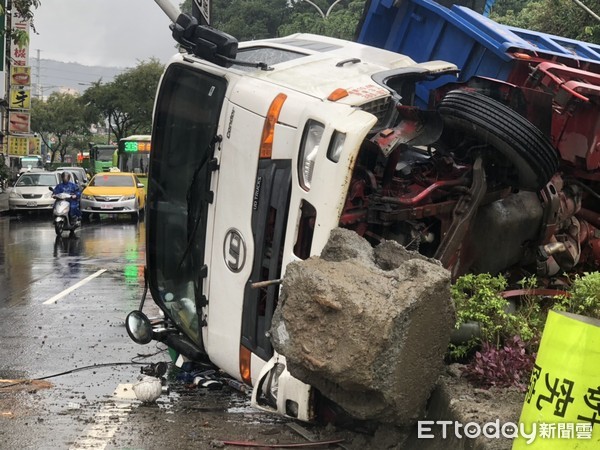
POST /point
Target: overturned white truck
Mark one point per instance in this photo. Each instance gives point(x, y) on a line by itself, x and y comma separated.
point(260, 150)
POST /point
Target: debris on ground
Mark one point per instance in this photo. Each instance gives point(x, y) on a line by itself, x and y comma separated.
point(280, 445)
point(456, 399)
point(368, 327)
point(17, 385)
point(148, 389)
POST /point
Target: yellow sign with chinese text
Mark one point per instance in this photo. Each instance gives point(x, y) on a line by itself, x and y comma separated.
point(20, 98)
point(563, 400)
point(24, 145)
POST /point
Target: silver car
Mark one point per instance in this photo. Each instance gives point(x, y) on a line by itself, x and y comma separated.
point(31, 192)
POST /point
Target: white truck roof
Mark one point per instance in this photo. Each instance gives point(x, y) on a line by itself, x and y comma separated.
point(318, 65)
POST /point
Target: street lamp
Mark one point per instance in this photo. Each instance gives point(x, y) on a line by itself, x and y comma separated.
point(42, 88)
point(97, 83)
point(324, 15)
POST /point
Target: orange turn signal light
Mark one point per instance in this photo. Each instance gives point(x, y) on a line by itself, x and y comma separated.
point(245, 372)
point(338, 94)
point(268, 134)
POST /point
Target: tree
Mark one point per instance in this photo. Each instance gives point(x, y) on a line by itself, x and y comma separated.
point(247, 19)
point(25, 9)
point(186, 6)
point(260, 19)
point(62, 116)
point(128, 100)
point(340, 23)
point(559, 17)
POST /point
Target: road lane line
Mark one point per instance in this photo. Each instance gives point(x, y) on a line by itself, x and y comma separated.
point(67, 291)
point(107, 421)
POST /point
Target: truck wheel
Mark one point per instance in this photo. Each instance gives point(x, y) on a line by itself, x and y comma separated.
point(475, 115)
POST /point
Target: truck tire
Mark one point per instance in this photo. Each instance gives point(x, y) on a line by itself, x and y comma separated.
point(475, 115)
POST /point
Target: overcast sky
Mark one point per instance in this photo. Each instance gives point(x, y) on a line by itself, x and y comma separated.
point(114, 33)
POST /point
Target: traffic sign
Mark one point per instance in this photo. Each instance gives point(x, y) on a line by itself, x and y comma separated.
point(201, 11)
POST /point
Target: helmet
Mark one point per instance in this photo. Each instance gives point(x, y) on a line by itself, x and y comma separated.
point(66, 177)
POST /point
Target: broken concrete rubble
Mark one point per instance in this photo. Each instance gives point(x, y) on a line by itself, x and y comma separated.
point(367, 327)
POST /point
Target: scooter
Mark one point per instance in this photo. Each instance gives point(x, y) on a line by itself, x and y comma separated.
point(62, 219)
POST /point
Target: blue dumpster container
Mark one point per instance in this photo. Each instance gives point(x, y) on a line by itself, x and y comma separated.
point(426, 31)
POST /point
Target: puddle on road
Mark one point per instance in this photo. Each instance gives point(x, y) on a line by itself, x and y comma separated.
point(232, 405)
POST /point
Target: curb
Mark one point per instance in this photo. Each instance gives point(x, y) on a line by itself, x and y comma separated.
point(4, 209)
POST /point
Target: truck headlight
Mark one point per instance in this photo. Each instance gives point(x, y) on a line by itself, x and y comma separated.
point(311, 139)
point(336, 146)
point(273, 385)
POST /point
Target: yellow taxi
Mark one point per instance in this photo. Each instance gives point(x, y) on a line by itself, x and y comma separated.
point(114, 193)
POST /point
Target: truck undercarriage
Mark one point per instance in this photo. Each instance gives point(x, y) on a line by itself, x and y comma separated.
point(476, 185)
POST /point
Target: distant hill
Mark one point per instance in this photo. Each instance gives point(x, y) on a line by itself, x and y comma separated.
point(57, 75)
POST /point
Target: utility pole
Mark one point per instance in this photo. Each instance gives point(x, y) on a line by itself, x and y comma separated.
point(38, 68)
point(7, 64)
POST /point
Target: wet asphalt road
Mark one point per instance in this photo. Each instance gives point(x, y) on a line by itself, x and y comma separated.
point(42, 334)
point(82, 328)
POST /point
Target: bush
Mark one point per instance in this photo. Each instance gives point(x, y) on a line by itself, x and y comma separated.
point(477, 298)
point(509, 340)
point(584, 298)
point(510, 365)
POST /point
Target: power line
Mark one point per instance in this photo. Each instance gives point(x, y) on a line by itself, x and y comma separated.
point(72, 71)
point(55, 77)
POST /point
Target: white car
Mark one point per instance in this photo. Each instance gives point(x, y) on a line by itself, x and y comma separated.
point(31, 192)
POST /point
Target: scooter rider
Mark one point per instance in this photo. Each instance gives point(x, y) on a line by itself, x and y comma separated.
point(68, 187)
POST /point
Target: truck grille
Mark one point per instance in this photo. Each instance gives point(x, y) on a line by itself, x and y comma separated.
point(379, 108)
point(269, 223)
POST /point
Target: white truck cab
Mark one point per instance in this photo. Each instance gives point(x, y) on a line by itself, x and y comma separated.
point(250, 170)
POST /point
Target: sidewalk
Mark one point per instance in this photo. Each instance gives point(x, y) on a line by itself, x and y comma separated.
point(4, 203)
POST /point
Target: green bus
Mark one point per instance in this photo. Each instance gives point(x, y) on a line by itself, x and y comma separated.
point(133, 155)
point(101, 157)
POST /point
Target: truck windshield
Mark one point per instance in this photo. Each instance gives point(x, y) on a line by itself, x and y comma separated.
point(184, 135)
point(105, 154)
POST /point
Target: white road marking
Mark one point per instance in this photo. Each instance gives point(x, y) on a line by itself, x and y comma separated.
point(107, 421)
point(77, 285)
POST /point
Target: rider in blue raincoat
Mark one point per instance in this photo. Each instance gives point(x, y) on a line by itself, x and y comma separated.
point(68, 187)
